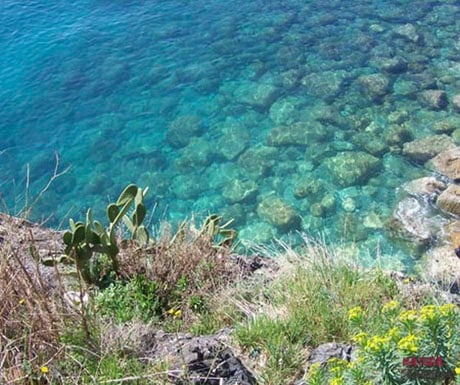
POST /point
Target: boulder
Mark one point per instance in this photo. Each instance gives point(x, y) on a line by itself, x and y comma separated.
point(257, 95)
point(352, 167)
point(408, 32)
point(433, 99)
point(447, 163)
point(447, 125)
point(278, 212)
point(456, 102)
point(240, 191)
point(398, 134)
point(325, 85)
point(323, 353)
point(258, 160)
point(182, 129)
point(309, 187)
point(409, 222)
point(394, 65)
point(234, 140)
point(375, 86)
point(429, 187)
point(421, 150)
point(449, 200)
point(441, 265)
point(298, 134)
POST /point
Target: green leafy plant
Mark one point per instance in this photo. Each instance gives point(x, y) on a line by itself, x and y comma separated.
point(82, 240)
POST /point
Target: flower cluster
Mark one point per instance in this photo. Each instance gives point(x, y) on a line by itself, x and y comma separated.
point(427, 338)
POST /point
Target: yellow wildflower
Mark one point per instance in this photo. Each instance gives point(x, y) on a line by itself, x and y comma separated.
point(171, 311)
point(355, 313)
point(457, 371)
point(376, 343)
point(21, 301)
point(447, 309)
point(390, 306)
point(394, 332)
point(360, 337)
point(406, 281)
point(177, 313)
point(408, 315)
point(428, 313)
point(44, 369)
point(336, 381)
point(408, 343)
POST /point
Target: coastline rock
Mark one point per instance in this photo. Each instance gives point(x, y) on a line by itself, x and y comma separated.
point(428, 187)
point(278, 212)
point(182, 129)
point(308, 186)
point(397, 135)
point(350, 168)
point(434, 99)
point(447, 163)
point(323, 353)
point(442, 266)
point(409, 222)
point(421, 150)
point(376, 85)
point(448, 125)
point(326, 85)
point(449, 200)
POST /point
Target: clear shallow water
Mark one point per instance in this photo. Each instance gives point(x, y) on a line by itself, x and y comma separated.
point(188, 97)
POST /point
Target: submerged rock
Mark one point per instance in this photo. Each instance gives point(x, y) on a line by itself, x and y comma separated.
point(240, 191)
point(434, 99)
point(447, 163)
point(234, 140)
point(298, 134)
point(421, 150)
point(278, 212)
point(456, 102)
point(408, 32)
point(410, 222)
point(375, 86)
point(309, 187)
point(258, 160)
point(182, 129)
point(257, 95)
point(350, 168)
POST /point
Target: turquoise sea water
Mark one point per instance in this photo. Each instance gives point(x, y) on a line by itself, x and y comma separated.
point(221, 106)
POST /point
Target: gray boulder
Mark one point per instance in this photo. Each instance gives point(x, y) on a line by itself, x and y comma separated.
point(421, 150)
point(447, 163)
point(433, 99)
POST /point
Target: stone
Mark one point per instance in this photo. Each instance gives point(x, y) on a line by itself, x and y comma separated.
point(323, 353)
point(348, 204)
point(375, 86)
point(234, 140)
point(372, 221)
point(278, 212)
point(447, 163)
point(371, 143)
point(257, 95)
point(187, 186)
point(397, 135)
point(408, 32)
point(198, 153)
point(456, 102)
point(409, 222)
point(421, 150)
point(257, 161)
point(298, 134)
point(325, 85)
point(449, 200)
point(182, 129)
point(429, 187)
point(285, 111)
point(353, 167)
point(257, 233)
point(309, 187)
point(447, 125)
point(441, 265)
point(433, 99)
point(240, 191)
point(394, 65)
